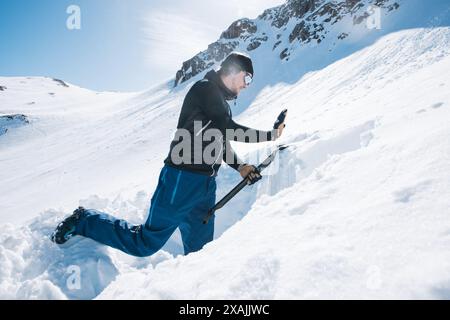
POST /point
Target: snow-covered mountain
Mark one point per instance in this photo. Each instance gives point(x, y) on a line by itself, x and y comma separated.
point(356, 208)
point(285, 28)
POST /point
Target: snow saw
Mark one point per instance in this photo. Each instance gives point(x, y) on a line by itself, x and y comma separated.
point(244, 181)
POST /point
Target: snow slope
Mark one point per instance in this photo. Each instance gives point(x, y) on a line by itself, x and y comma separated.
point(356, 208)
point(359, 208)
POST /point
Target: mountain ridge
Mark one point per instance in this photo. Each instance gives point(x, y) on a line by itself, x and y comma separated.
point(298, 19)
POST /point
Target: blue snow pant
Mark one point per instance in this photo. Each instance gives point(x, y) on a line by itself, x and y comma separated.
point(181, 199)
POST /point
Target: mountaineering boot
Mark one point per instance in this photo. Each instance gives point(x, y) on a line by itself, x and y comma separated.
point(66, 229)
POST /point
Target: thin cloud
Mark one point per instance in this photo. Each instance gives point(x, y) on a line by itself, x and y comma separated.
point(176, 33)
point(172, 39)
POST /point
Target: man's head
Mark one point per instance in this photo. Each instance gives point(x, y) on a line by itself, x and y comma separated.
point(236, 72)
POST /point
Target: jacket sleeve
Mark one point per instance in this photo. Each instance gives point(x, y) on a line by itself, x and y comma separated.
point(211, 103)
point(230, 157)
point(251, 135)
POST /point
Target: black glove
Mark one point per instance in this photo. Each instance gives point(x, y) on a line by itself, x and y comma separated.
point(280, 119)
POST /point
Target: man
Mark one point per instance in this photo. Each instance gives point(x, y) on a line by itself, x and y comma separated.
point(186, 187)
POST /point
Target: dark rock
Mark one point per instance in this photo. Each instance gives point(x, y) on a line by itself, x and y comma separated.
point(242, 28)
point(331, 11)
point(252, 46)
point(300, 32)
point(284, 54)
point(393, 6)
point(301, 7)
point(360, 19)
point(256, 42)
point(61, 83)
point(12, 121)
point(276, 45)
point(281, 15)
point(3, 88)
point(342, 36)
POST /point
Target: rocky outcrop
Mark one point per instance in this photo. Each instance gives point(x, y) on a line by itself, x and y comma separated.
point(2, 88)
point(256, 42)
point(61, 83)
point(12, 121)
point(216, 52)
point(242, 28)
point(296, 21)
point(281, 15)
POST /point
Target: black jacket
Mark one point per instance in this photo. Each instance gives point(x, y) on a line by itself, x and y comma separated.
point(206, 102)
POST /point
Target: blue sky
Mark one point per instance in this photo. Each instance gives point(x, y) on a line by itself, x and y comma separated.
point(122, 45)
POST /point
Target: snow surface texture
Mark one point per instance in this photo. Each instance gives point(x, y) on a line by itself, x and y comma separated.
point(355, 208)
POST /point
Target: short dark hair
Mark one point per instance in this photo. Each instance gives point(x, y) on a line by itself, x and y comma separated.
point(236, 61)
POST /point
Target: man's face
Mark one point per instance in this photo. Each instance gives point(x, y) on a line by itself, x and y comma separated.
point(238, 82)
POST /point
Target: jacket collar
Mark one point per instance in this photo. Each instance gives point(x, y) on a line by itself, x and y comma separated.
point(213, 76)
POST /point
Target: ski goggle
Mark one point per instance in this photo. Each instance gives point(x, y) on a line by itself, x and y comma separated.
point(248, 79)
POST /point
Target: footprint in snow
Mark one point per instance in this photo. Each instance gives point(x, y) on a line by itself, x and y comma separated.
point(404, 195)
point(437, 105)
